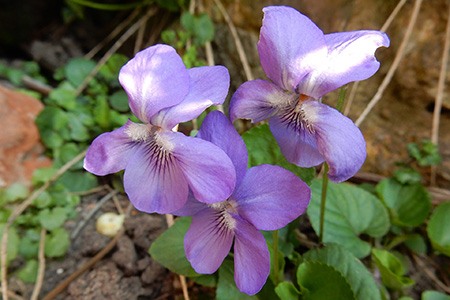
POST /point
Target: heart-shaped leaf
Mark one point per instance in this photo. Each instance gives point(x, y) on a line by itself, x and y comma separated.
point(226, 287)
point(263, 149)
point(349, 212)
point(408, 204)
point(391, 269)
point(439, 228)
point(360, 279)
point(287, 291)
point(319, 281)
point(168, 248)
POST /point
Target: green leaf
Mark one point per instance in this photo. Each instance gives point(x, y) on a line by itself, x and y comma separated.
point(391, 269)
point(407, 175)
point(16, 191)
point(287, 291)
point(119, 101)
point(426, 154)
point(203, 29)
point(43, 200)
point(77, 69)
point(66, 153)
point(52, 219)
point(438, 229)
point(263, 149)
point(408, 205)
point(319, 281)
point(110, 70)
point(434, 295)
point(78, 132)
point(13, 243)
point(187, 20)
point(101, 113)
point(349, 212)
point(42, 175)
point(57, 243)
point(64, 95)
point(416, 243)
point(53, 125)
point(78, 181)
point(226, 287)
point(359, 278)
point(29, 244)
point(206, 280)
point(28, 273)
point(168, 248)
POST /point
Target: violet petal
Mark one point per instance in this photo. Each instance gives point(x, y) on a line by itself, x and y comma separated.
point(207, 242)
point(339, 140)
point(217, 129)
point(297, 145)
point(191, 207)
point(154, 183)
point(109, 152)
point(290, 46)
point(257, 100)
point(154, 79)
point(251, 258)
point(208, 86)
point(270, 197)
point(351, 58)
point(209, 171)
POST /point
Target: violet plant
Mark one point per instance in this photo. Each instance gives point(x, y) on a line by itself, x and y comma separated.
point(225, 202)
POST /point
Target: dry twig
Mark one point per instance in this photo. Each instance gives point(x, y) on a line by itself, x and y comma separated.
point(114, 48)
point(170, 222)
point(113, 34)
point(383, 28)
point(19, 210)
point(237, 40)
point(41, 270)
point(394, 66)
point(440, 94)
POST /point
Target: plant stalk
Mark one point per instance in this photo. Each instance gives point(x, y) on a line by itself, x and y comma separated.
point(323, 201)
point(275, 256)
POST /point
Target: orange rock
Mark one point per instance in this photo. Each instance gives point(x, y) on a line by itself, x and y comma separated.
point(20, 149)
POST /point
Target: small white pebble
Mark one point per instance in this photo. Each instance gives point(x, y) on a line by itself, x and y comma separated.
point(109, 224)
point(59, 271)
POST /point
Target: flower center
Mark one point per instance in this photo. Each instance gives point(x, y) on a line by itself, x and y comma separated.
point(299, 116)
point(224, 211)
point(138, 132)
point(158, 145)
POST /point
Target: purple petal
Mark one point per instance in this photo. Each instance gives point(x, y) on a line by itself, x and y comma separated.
point(351, 57)
point(251, 258)
point(191, 207)
point(217, 129)
point(298, 145)
point(339, 141)
point(110, 152)
point(257, 100)
point(207, 242)
point(155, 184)
point(154, 79)
point(208, 86)
point(290, 46)
point(270, 197)
point(209, 171)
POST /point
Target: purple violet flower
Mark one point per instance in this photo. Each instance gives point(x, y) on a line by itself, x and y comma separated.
point(303, 64)
point(162, 165)
point(266, 197)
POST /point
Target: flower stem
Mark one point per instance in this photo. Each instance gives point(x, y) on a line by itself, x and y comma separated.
point(341, 98)
point(323, 200)
point(275, 256)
